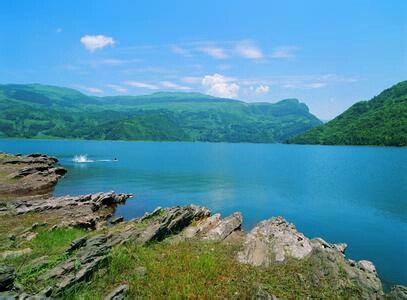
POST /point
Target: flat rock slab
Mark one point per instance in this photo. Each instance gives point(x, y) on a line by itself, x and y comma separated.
point(28, 175)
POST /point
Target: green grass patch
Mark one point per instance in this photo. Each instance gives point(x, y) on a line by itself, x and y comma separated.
point(49, 245)
point(203, 270)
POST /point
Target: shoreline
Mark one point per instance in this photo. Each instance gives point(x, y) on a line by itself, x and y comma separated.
point(183, 224)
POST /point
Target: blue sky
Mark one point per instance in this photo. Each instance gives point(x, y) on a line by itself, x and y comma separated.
point(328, 54)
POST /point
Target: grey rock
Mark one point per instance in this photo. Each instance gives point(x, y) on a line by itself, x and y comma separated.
point(118, 293)
point(76, 244)
point(398, 292)
point(117, 220)
point(15, 253)
point(7, 276)
point(154, 213)
point(89, 258)
point(85, 211)
point(272, 241)
point(202, 227)
point(173, 221)
point(366, 265)
point(224, 227)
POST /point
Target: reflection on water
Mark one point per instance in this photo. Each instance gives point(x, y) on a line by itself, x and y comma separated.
point(344, 194)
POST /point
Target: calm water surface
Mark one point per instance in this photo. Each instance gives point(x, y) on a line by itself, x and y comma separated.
point(356, 195)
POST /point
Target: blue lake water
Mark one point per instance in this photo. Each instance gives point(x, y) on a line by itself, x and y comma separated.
point(356, 195)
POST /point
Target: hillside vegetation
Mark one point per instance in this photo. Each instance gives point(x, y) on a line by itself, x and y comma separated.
point(40, 111)
point(380, 121)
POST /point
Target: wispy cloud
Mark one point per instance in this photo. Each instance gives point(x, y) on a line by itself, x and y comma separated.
point(59, 30)
point(215, 52)
point(143, 85)
point(285, 52)
point(191, 79)
point(174, 86)
point(95, 42)
point(180, 50)
point(118, 88)
point(89, 89)
point(248, 49)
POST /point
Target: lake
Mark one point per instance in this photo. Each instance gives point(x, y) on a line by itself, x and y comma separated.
point(356, 195)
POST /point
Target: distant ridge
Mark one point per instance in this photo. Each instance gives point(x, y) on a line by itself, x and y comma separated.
point(380, 121)
point(43, 111)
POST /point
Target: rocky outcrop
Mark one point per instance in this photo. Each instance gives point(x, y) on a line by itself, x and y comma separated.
point(275, 240)
point(85, 211)
point(272, 241)
point(27, 175)
point(398, 292)
point(172, 221)
point(89, 258)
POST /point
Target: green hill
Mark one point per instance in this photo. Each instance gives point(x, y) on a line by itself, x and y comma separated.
point(380, 121)
point(41, 111)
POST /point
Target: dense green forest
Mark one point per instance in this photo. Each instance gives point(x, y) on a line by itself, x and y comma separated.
point(41, 111)
point(380, 121)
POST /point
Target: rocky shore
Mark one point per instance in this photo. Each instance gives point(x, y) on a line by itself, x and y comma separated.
point(28, 175)
point(101, 245)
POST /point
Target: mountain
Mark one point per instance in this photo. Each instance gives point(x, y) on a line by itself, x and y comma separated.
point(380, 121)
point(41, 111)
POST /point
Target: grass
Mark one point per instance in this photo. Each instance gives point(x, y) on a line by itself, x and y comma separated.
point(203, 270)
point(17, 224)
point(49, 245)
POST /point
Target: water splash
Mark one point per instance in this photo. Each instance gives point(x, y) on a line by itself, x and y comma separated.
point(82, 158)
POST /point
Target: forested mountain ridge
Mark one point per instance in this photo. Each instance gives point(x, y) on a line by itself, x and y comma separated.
point(379, 121)
point(42, 111)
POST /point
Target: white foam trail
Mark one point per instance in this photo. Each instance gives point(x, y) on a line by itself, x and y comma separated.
point(81, 158)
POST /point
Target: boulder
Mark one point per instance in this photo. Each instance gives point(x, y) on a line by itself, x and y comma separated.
point(272, 241)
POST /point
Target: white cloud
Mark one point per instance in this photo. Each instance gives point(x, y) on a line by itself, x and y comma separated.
point(118, 88)
point(284, 52)
point(215, 52)
point(180, 50)
point(174, 86)
point(94, 42)
point(220, 86)
point(89, 89)
point(143, 85)
point(262, 89)
point(249, 50)
point(315, 85)
point(112, 61)
point(191, 79)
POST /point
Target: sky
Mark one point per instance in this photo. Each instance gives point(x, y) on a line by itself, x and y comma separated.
point(328, 54)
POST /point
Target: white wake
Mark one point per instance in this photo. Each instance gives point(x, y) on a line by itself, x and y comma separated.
point(81, 158)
